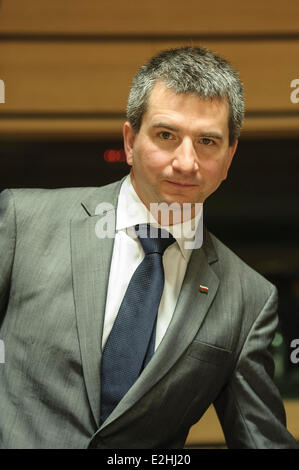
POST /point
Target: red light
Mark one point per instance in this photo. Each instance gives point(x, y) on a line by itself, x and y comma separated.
point(114, 156)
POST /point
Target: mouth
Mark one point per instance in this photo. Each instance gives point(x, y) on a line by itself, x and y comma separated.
point(181, 184)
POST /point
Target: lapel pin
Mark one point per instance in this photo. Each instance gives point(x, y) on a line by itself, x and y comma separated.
point(203, 289)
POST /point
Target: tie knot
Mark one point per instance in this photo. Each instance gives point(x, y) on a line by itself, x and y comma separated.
point(153, 239)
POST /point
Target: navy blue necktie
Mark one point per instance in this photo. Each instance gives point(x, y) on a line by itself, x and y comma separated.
point(131, 342)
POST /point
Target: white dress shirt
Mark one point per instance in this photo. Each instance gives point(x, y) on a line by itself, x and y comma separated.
point(128, 254)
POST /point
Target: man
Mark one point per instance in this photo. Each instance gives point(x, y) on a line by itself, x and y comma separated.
point(70, 343)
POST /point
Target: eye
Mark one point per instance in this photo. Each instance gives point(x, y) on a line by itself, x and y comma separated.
point(166, 135)
point(207, 141)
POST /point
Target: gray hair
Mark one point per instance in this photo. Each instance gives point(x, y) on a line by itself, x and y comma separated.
point(189, 70)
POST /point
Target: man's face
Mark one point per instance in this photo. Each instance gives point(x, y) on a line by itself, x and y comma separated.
point(181, 152)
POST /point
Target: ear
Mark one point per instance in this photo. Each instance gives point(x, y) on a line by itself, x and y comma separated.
point(231, 152)
point(129, 138)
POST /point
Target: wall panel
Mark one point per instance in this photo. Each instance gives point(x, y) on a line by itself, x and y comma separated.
point(78, 83)
point(156, 17)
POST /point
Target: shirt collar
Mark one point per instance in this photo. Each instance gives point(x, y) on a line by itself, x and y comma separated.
point(131, 211)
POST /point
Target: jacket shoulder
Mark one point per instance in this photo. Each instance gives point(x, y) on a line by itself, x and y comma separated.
point(50, 202)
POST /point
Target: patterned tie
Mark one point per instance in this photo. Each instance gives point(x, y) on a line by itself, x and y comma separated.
point(131, 342)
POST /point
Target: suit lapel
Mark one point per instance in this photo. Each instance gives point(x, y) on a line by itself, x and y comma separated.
point(191, 309)
point(91, 258)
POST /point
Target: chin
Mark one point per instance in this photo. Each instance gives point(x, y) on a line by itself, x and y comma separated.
point(177, 200)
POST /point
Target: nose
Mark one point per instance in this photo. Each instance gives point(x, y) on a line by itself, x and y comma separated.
point(185, 157)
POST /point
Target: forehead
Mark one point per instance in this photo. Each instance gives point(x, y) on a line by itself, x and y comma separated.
point(187, 108)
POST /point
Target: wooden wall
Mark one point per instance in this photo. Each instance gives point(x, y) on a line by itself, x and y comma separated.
point(68, 65)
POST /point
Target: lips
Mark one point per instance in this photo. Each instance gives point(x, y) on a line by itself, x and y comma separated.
point(181, 184)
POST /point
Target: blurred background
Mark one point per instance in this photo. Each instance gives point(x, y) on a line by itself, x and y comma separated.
point(66, 68)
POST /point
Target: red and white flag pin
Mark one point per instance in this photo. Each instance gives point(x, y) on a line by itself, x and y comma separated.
point(203, 289)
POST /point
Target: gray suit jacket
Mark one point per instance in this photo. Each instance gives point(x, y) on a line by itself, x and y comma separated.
point(53, 282)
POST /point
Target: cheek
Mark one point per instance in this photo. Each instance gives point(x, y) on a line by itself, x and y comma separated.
point(150, 159)
point(213, 168)
point(209, 167)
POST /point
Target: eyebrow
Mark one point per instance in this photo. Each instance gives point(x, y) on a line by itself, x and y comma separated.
point(164, 125)
point(214, 135)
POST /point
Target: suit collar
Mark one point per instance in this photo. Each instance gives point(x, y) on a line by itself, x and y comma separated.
point(106, 194)
point(208, 247)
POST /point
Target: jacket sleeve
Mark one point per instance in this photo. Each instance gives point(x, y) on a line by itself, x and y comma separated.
point(7, 246)
point(249, 408)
